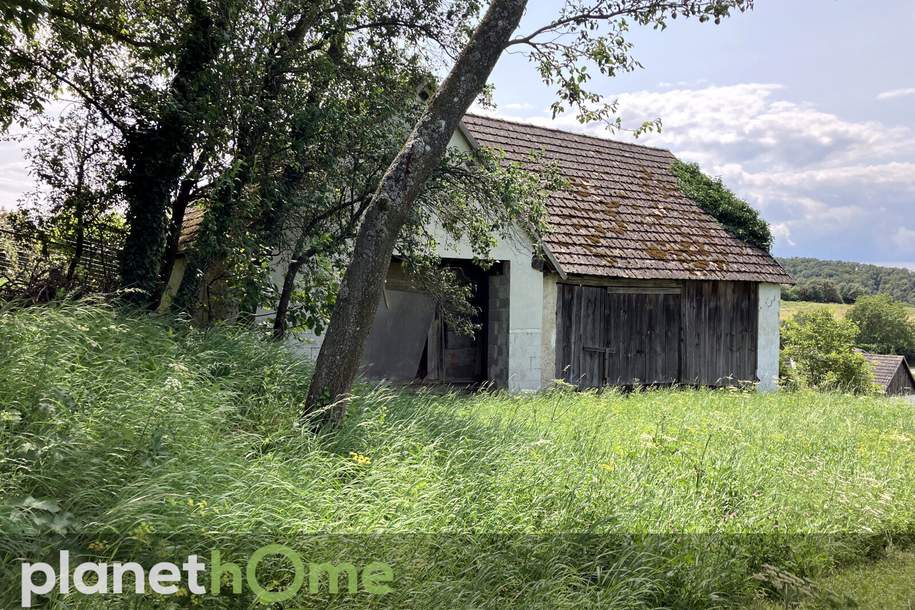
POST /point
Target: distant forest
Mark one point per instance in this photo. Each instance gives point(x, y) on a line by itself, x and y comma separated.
point(843, 282)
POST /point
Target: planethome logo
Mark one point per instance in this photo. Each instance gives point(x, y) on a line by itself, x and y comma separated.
point(91, 578)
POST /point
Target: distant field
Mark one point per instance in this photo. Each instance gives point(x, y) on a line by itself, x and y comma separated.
point(792, 308)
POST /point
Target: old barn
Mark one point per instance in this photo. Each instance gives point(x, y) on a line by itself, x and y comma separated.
point(892, 373)
point(639, 286)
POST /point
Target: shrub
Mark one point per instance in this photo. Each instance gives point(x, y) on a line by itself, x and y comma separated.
point(818, 291)
point(883, 326)
point(818, 352)
point(735, 214)
point(851, 292)
point(28, 272)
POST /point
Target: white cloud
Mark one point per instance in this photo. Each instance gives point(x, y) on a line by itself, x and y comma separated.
point(517, 106)
point(889, 95)
point(904, 237)
point(14, 176)
point(829, 186)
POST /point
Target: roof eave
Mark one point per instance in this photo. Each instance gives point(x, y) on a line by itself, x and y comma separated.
point(554, 262)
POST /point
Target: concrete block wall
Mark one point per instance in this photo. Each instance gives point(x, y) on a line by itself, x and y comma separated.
point(498, 321)
point(525, 326)
point(769, 340)
point(548, 332)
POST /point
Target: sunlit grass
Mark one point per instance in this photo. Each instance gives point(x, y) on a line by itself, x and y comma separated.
point(145, 431)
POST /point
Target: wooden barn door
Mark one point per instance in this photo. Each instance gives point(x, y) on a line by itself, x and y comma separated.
point(618, 335)
point(643, 337)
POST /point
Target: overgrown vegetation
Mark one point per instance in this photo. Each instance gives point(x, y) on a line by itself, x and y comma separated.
point(818, 352)
point(844, 282)
point(714, 197)
point(884, 326)
point(126, 437)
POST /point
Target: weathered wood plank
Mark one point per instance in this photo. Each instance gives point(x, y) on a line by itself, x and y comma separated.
point(705, 335)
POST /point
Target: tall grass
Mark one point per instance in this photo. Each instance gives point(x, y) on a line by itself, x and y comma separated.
point(122, 436)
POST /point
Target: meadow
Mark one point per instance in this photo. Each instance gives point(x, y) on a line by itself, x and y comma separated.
point(790, 309)
point(124, 436)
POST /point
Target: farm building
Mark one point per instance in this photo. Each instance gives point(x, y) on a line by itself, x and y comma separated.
point(638, 285)
point(892, 373)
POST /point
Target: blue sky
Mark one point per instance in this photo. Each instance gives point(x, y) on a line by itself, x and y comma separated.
point(806, 108)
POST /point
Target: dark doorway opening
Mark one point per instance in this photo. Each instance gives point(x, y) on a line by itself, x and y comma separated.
point(451, 356)
point(412, 341)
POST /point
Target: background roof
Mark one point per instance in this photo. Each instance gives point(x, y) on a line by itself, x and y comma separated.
point(885, 366)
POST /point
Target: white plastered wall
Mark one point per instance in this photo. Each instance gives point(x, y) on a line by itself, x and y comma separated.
point(768, 342)
point(526, 285)
point(525, 316)
point(548, 333)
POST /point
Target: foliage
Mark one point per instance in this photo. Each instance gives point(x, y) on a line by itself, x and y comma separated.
point(124, 436)
point(28, 274)
point(884, 326)
point(224, 100)
point(791, 308)
point(820, 291)
point(818, 352)
point(849, 279)
point(715, 198)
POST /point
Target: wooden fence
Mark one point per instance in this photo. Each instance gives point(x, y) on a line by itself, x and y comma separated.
point(30, 258)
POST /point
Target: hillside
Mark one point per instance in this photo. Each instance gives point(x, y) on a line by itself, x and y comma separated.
point(126, 437)
point(849, 276)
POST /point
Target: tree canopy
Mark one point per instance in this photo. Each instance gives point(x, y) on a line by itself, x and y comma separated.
point(884, 326)
point(818, 352)
point(850, 280)
point(276, 119)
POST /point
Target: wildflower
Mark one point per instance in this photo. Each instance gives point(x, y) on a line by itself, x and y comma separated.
point(362, 460)
point(142, 532)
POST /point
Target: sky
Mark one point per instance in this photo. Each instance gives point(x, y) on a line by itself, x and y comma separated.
point(805, 108)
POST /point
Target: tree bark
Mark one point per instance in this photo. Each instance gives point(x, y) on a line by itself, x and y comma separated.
point(341, 351)
point(80, 220)
point(77, 252)
point(282, 307)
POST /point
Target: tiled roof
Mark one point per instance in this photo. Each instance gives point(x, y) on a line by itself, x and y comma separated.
point(885, 366)
point(623, 214)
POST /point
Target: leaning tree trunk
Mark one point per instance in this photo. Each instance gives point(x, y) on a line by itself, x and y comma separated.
point(392, 204)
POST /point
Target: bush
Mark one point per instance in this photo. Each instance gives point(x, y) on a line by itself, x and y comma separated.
point(818, 291)
point(818, 352)
point(851, 292)
point(884, 326)
point(735, 214)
